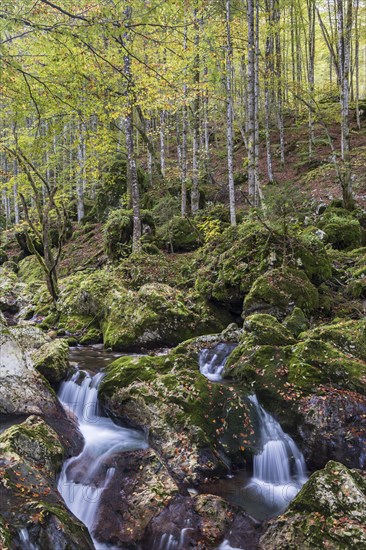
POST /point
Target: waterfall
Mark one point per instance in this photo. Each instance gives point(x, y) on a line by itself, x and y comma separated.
point(84, 477)
point(279, 469)
point(212, 360)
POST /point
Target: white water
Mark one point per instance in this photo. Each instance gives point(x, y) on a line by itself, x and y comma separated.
point(212, 361)
point(84, 477)
point(279, 469)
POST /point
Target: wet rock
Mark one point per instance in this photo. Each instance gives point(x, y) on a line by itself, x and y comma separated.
point(329, 512)
point(333, 427)
point(139, 490)
point(200, 522)
point(30, 506)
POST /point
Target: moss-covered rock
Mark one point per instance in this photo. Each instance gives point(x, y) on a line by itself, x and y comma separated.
point(229, 265)
point(278, 291)
point(328, 512)
point(263, 329)
point(51, 360)
point(342, 229)
point(180, 235)
point(190, 420)
point(30, 270)
point(31, 456)
point(296, 322)
point(155, 314)
point(118, 229)
point(347, 335)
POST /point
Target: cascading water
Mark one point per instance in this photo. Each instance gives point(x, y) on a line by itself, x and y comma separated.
point(279, 469)
point(212, 361)
point(84, 477)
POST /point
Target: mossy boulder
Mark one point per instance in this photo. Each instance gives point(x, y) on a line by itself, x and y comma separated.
point(263, 329)
point(342, 229)
point(51, 360)
point(229, 265)
point(118, 230)
point(296, 322)
point(156, 315)
point(22, 389)
point(31, 457)
point(30, 270)
point(278, 291)
point(346, 334)
point(180, 235)
point(191, 421)
point(36, 443)
point(328, 512)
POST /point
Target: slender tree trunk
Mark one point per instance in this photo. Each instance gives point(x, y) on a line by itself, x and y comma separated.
point(252, 176)
point(15, 193)
point(344, 29)
point(311, 78)
point(80, 182)
point(195, 194)
point(229, 116)
point(269, 73)
point(162, 142)
point(128, 124)
point(184, 138)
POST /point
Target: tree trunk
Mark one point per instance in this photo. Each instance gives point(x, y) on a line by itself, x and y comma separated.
point(195, 194)
point(229, 116)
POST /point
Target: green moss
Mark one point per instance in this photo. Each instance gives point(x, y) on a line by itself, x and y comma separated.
point(35, 442)
point(5, 535)
point(30, 270)
point(343, 231)
point(279, 290)
point(296, 322)
point(328, 512)
point(168, 393)
point(180, 235)
point(118, 229)
point(229, 265)
point(347, 335)
point(51, 360)
point(262, 329)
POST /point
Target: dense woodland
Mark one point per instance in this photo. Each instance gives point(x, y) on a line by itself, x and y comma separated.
point(182, 274)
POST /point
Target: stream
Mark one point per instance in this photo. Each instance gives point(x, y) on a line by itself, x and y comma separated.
point(84, 477)
point(279, 469)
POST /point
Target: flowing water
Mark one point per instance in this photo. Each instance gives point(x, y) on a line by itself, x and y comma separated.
point(212, 361)
point(84, 477)
point(279, 469)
